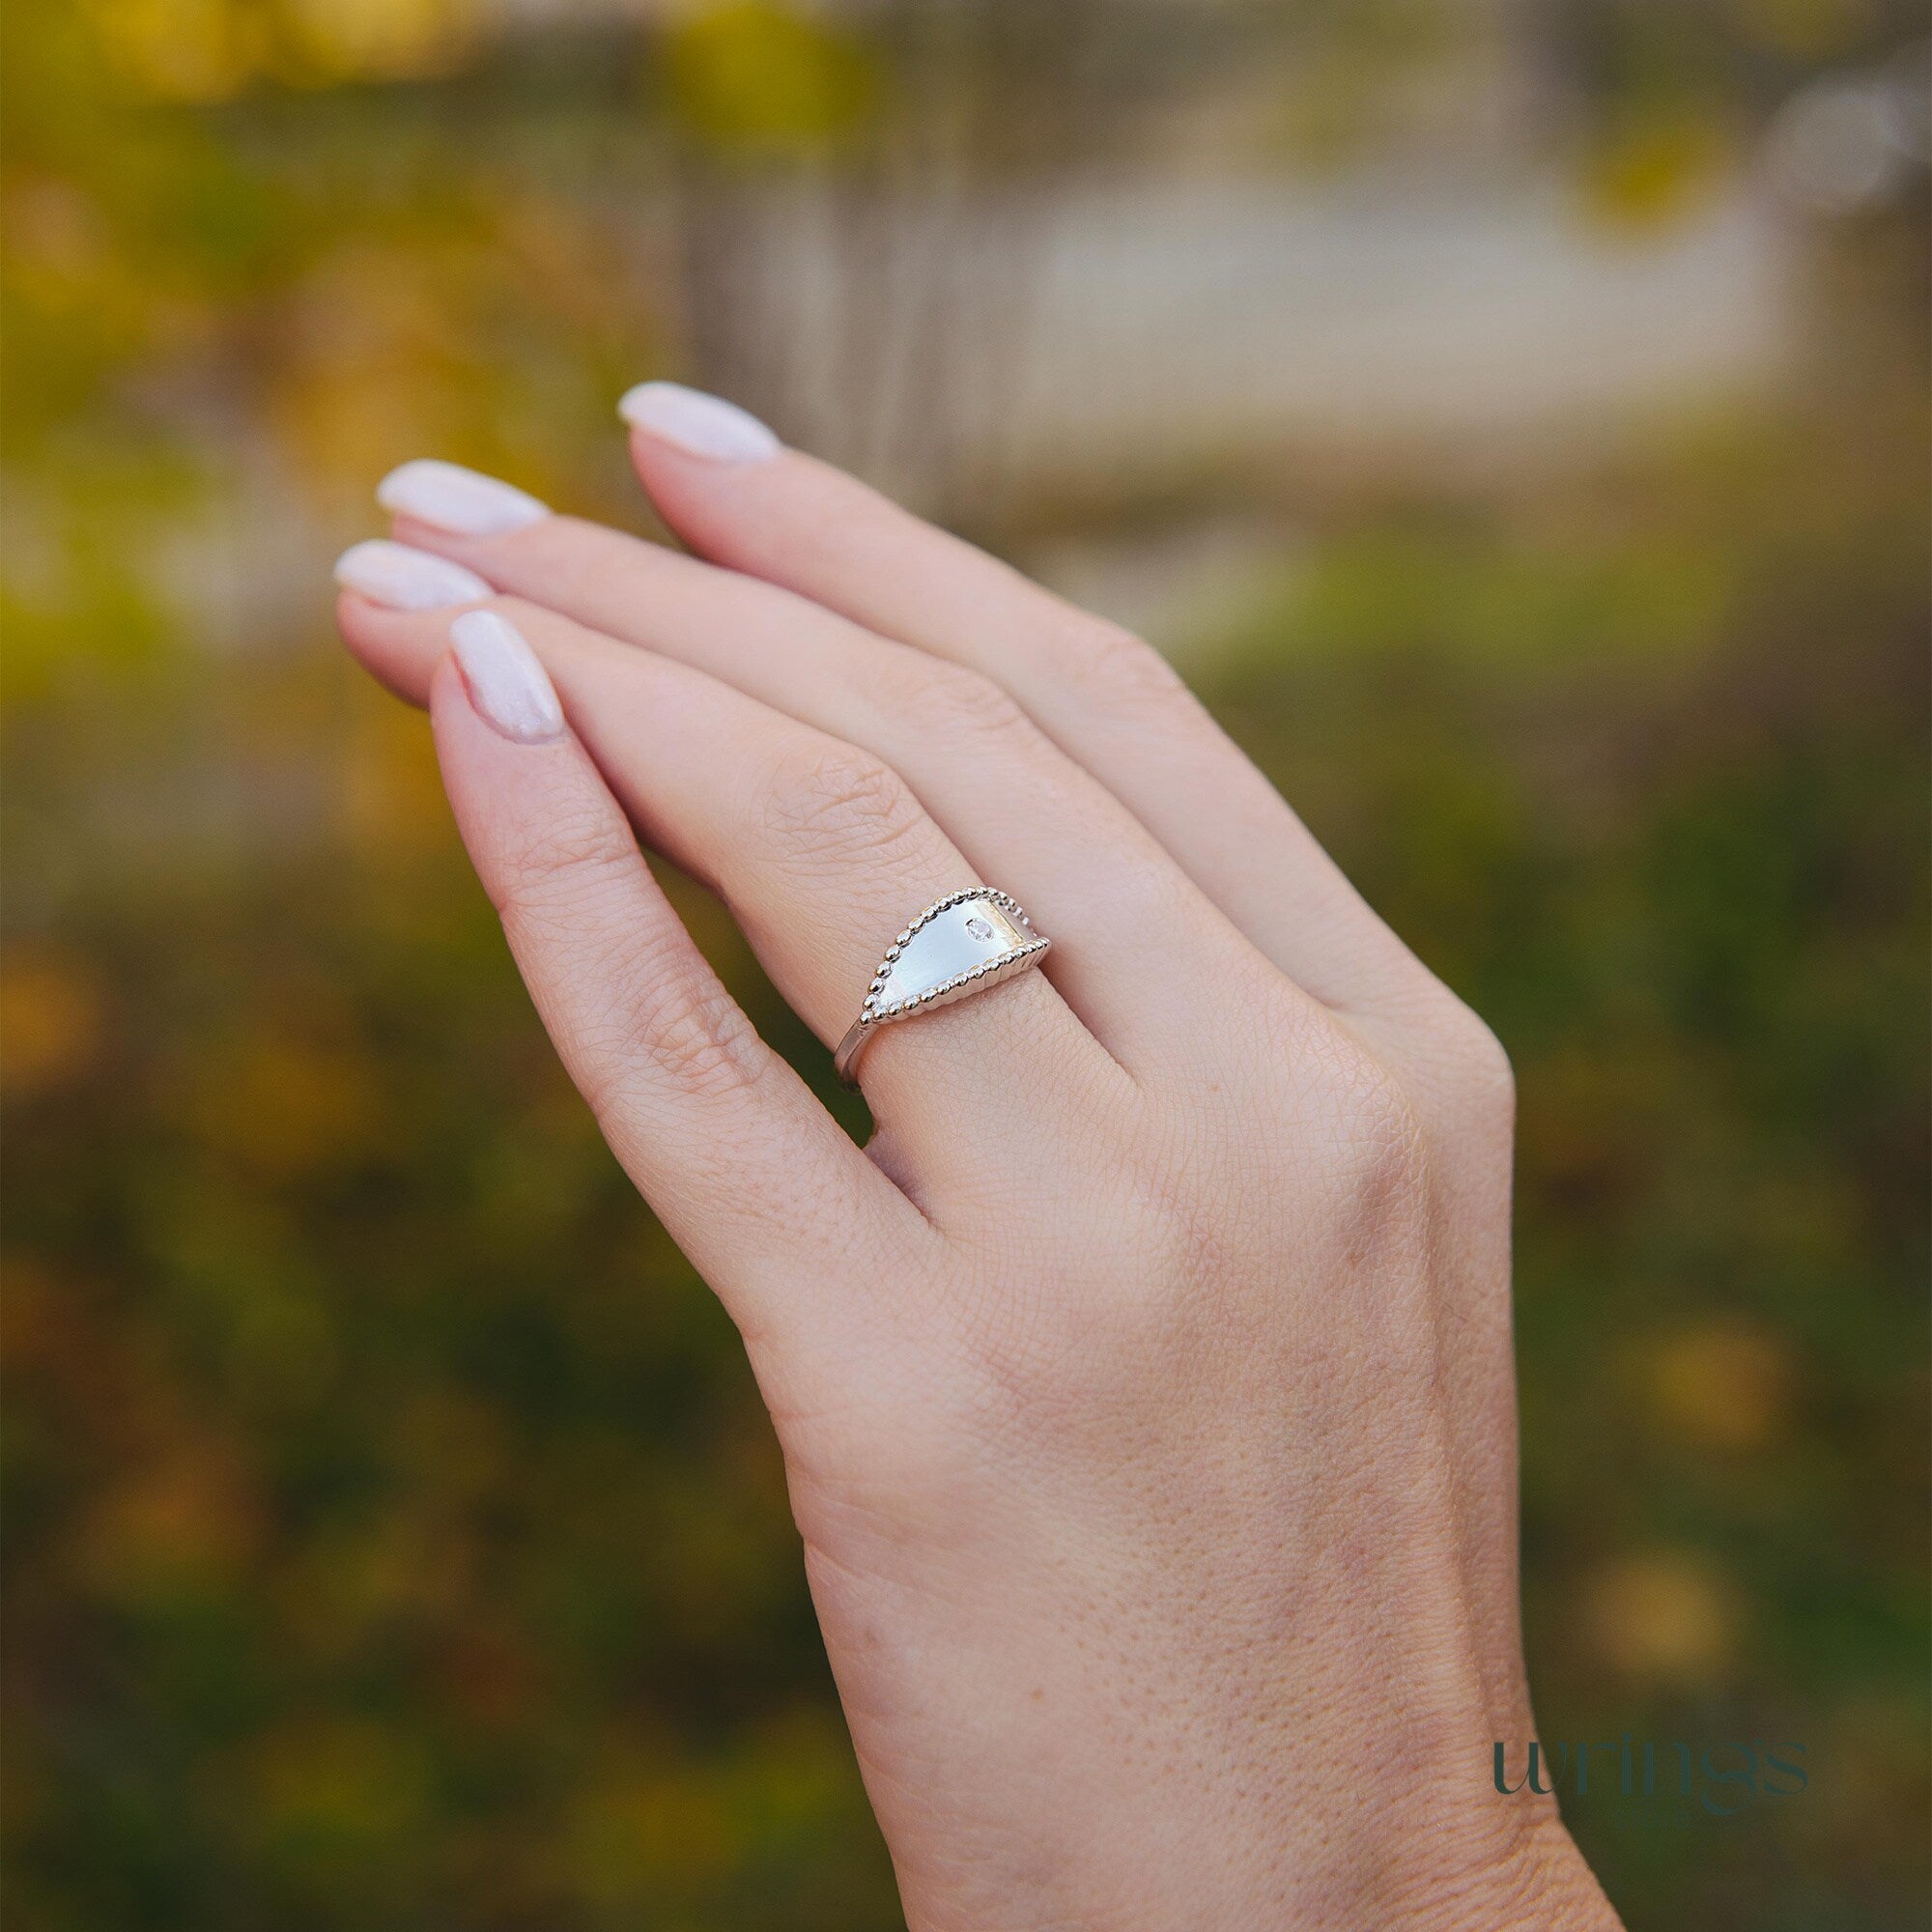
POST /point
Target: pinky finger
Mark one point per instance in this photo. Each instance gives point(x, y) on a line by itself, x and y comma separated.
point(749, 1173)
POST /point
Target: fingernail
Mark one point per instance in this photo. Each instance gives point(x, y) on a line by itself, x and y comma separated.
point(458, 499)
point(510, 690)
point(405, 579)
point(698, 424)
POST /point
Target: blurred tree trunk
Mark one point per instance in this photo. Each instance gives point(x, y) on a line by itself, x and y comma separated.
point(873, 300)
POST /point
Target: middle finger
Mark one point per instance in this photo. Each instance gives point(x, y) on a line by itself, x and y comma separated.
point(820, 852)
point(1032, 819)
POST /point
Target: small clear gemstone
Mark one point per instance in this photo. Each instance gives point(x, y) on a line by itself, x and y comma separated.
point(980, 928)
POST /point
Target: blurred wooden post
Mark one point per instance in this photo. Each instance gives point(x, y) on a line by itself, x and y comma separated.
point(893, 343)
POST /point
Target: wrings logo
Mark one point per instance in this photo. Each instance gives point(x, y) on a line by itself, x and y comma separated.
point(1658, 1785)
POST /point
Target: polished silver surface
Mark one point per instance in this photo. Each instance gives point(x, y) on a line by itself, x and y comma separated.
point(960, 944)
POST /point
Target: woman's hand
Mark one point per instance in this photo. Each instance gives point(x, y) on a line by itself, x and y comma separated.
point(1145, 1384)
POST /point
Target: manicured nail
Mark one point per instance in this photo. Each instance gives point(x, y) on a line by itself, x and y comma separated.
point(510, 690)
point(405, 579)
point(698, 424)
point(458, 499)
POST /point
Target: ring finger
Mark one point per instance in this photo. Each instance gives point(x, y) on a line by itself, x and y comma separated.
point(820, 851)
point(1029, 817)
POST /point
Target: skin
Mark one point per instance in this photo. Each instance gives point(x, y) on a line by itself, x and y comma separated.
point(1145, 1384)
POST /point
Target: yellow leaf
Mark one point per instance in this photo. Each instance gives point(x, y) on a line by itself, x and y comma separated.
point(754, 76)
point(50, 1020)
point(196, 51)
point(282, 1105)
point(1666, 1615)
point(1724, 1384)
point(379, 40)
point(1657, 168)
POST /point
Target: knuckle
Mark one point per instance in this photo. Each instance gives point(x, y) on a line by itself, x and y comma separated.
point(1119, 670)
point(934, 697)
point(1358, 1089)
point(1462, 1066)
point(833, 803)
point(557, 856)
point(705, 1046)
point(1380, 1161)
point(679, 1023)
point(1368, 1131)
point(1481, 1059)
point(1386, 1142)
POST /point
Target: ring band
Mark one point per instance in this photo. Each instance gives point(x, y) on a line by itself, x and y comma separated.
point(958, 946)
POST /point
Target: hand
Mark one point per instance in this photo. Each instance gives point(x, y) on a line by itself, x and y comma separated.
point(1145, 1383)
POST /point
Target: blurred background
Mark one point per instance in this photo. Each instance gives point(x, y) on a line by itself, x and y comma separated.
point(1511, 413)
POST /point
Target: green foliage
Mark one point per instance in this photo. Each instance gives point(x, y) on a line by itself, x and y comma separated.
point(1646, 785)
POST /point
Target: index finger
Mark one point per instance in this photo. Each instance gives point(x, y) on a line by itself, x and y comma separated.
point(751, 1175)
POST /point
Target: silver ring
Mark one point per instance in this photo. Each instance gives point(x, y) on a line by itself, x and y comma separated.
point(958, 946)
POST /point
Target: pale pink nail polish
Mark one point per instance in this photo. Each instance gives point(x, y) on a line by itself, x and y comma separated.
point(404, 578)
point(464, 501)
point(699, 424)
point(508, 688)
